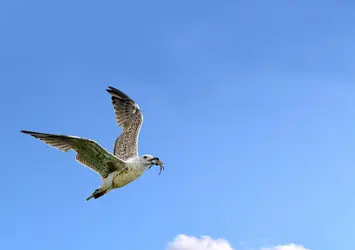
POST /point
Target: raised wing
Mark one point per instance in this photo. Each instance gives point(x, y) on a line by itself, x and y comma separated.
point(89, 153)
point(130, 118)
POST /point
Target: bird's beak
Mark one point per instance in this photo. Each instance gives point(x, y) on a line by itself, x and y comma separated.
point(157, 162)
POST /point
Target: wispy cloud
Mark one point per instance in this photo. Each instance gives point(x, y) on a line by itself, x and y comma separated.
point(286, 247)
point(185, 242)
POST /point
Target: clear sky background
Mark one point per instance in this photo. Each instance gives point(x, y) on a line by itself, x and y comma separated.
point(250, 104)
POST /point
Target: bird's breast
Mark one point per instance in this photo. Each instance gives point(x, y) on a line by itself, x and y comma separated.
point(126, 176)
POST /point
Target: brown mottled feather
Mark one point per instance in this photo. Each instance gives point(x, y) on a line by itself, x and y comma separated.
point(89, 153)
point(130, 118)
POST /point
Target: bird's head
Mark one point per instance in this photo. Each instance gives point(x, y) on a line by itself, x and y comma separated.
point(147, 160)
point(150, 160)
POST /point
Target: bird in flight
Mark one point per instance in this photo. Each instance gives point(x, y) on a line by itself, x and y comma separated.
point(121, 167)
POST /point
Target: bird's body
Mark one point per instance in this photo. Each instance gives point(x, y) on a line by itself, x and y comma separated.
point(120, 178)
point(121, 167)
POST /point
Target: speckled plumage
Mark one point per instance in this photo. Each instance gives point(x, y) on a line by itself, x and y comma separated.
point(130, 118)
point(117, 169)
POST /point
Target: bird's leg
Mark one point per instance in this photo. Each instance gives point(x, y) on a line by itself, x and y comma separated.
point(103, 189)
point(97, 194)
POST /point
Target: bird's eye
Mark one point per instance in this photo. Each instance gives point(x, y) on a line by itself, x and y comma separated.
point(145, 157)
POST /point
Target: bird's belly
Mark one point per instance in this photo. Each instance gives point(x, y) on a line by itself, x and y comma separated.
point(123, 178)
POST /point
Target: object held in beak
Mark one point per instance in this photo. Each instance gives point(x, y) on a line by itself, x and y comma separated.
point(157, 162)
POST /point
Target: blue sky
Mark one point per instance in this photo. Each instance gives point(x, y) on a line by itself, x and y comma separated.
point(250, 104)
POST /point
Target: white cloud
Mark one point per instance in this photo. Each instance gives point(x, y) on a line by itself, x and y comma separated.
point(185, 242)
point(286, 247)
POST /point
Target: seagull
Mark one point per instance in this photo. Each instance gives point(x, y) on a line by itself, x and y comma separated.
point(121, 167)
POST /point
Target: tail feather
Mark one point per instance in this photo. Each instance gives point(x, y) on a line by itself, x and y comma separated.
point(97, 194)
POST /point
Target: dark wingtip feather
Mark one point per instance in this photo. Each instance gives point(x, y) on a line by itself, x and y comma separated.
point(117, 93)
point(35, 134)
point(28, 132)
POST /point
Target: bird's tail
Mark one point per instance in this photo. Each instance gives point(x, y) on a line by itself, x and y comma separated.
point(97, 194)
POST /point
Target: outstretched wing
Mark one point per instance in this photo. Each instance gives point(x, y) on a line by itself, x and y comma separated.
point(89, 153)
point(130, 118)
